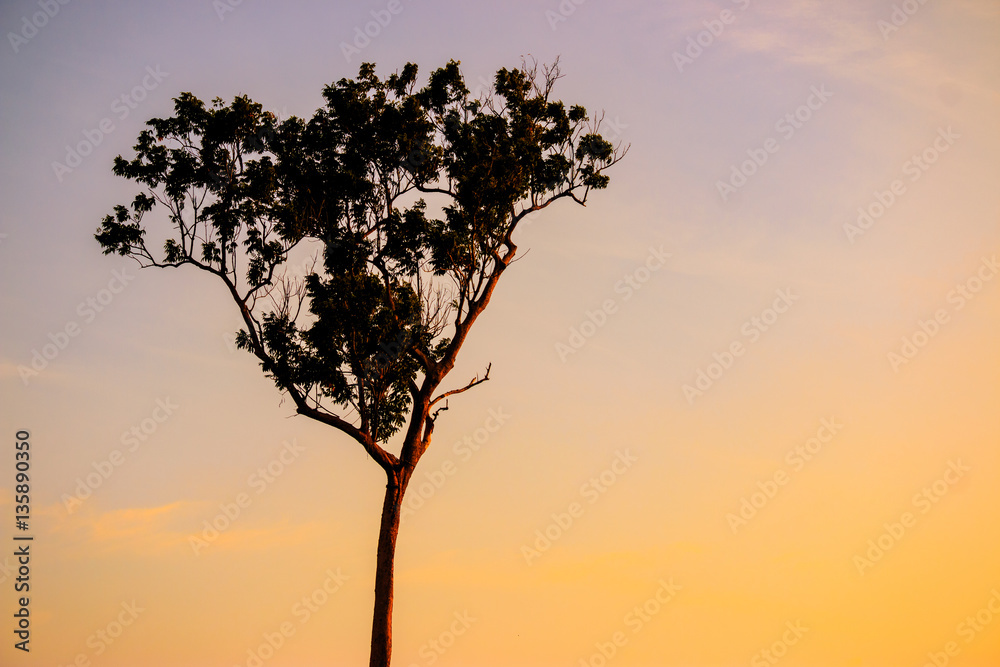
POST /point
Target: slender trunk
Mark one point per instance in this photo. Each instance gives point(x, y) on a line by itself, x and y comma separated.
point(382, 619)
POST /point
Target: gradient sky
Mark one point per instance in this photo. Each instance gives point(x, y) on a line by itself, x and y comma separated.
point(928, 90)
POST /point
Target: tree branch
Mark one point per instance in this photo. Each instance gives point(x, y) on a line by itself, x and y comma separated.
point(472, 383)
point(385, 459)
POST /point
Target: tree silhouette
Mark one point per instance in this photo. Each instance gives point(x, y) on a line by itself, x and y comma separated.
point(410, 198)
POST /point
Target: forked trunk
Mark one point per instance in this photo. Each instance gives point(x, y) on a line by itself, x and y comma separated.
point(382, 619)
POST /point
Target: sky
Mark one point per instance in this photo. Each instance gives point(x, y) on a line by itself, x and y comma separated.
point(742, 406)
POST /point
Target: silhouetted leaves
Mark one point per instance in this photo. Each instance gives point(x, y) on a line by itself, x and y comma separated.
point(398, 274)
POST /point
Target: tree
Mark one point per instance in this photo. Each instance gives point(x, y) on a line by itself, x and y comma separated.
point(409, 197)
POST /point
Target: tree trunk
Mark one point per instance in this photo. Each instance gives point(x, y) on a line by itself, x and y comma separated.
point(382, 619)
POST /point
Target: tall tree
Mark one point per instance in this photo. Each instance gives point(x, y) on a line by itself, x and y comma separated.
point(409, 197)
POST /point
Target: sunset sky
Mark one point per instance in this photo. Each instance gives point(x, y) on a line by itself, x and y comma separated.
point(778, 446)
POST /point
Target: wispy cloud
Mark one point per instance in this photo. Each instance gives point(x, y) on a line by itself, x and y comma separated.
point(166, 529)
point(844, 41)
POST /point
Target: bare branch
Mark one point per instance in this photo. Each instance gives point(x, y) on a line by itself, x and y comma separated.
point(472, 383)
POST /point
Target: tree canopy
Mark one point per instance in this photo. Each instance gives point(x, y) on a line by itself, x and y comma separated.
point(242, 190)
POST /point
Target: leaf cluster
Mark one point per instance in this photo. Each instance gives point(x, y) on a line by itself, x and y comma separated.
point(410, 196)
